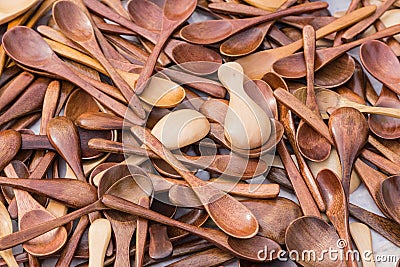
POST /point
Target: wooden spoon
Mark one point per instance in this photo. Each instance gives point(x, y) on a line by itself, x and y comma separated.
point(213, 31)
point(300, 236)
point(384, 126)
point(175, 12)
point(323, 56)
point(336, 207)
point(311, 144)
point(349, 129)
point(74, 23)
point(257, 64)
point(40, 56)
point(388, 195)
point(99, 237)
point(49, 242)
point(217, 204)
point(118, 7)
point(270, 5)
point(242, 248)
point(162, 93)
point(361, 235)
point(327, 99)
point(6, 228)
point(11, 10)
point(13, 88)
point(246, 125)
point(381, 62)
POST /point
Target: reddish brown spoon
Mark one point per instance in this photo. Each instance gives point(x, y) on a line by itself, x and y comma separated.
point(389, 196)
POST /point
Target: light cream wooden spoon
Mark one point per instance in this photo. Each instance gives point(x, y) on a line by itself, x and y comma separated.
point(361, 235)
point(247, 126)
point(6, 229)
point(99, 237)
point(12, 9)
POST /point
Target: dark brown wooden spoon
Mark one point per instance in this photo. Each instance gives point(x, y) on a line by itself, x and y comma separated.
point(384, 126)
point(389, 196)
point(311, 144)
point(336, 207)
point(323, 56)
point(39, 56)
point(12, 89)
point(74, 23)
point(382, 63)
point(213, 31)
point(10, 143)
point(175, 12)
point(219, 206)
point(63, 135)
point(349, 129)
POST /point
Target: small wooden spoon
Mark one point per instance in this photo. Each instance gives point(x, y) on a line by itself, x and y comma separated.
point(335, 200)
point(382, 63)
point(311, 144)
point(257, 64)
point(74, 23)
point(162, 93)
point(327, 99)
point(213, 31)
point(11, 10)
point(49, 242)
point(361, 235)
point(300, 236)
point(242, 248)
point(217, 204)
point(349, 129)
point(175, 12)
point(40, 56)
point(384, 126)
point(99, 237)
point(323, 56)
point(6, 228)
point(389, 196)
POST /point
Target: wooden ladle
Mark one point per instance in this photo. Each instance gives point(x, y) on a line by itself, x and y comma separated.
point(175, 12)
point(384, 126)
point(213, 31)
point(335, 200)
point(75, 24)
point(39, 56)
point(389, 196)
point(311, 144)
point(257, 64)
point(382, 63)
point(219, 206)
point(323, 56)
point(349, 130)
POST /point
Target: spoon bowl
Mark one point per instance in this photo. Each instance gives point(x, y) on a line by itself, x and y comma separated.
point(389, 196)
point(10, 10)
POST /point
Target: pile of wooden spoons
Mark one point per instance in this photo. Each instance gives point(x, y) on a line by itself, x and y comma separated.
point(131, 135)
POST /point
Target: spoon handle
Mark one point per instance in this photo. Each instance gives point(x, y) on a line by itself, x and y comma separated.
point(9, 258)
point(141, 233)
point(99, 237)
point(361, 235)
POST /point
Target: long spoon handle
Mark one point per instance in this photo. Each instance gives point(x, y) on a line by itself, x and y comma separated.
point(361, 235)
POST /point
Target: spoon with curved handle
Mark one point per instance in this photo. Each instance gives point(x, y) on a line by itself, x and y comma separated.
point(324, 56)
point(6, 229)
point(257, 64)
point(40, 56)
point(213, 31)
point(361, 235)
point(246, 125)
point(311, 144)
point(99, 237)
point(175, 12)
point(219, 206)
point(74, 23)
